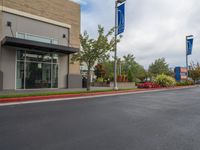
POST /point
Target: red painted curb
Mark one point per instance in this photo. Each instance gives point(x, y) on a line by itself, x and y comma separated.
point(37, 98)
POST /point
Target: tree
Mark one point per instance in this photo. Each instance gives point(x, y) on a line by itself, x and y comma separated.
point(108, 65)
point(94, 50)
point(99, 71)
point(159, 66)
point(194, 71)
point(141, 73)
point(129, 61)
point(130, 76)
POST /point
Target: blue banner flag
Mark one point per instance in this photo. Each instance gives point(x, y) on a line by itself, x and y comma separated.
point(189, 46)
point(121, 19)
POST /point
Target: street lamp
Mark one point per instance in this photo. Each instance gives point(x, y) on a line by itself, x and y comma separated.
point(116, 29)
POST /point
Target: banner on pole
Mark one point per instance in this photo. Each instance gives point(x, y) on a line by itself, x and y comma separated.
point(189, 45)
point(121, 19)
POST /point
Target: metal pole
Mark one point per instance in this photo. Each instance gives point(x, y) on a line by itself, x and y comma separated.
point(115, 57)
point(186, 55)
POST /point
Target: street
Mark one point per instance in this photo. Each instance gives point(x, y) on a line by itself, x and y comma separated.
point(167, 120)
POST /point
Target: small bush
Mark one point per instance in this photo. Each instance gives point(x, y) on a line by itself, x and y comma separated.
point(185, 83)
point(148, 85)
point(100, 80)
point(165, 81)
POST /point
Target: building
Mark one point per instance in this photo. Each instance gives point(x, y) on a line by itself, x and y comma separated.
point(38, 38)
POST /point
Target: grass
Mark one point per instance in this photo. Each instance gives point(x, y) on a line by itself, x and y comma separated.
point(20, 95)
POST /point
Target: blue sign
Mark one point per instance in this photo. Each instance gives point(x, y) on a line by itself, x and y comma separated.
point(121, 19)
point(189, 46)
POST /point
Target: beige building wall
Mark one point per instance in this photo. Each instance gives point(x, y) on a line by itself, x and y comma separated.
point(63, 11)
point(8, 66)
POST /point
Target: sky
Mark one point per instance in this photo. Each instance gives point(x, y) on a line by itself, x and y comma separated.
point(154, 28)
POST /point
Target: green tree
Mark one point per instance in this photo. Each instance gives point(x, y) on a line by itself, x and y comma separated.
point(108, 65)
point(94, 50)
point(194, 71)
point(130, 76)
point(141, 73)
point(129, 61)
point(159, 66)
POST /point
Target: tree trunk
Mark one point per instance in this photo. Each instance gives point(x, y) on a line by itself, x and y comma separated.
point(88, 78)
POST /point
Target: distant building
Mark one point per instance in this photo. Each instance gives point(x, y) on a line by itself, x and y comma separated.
point(37, 38)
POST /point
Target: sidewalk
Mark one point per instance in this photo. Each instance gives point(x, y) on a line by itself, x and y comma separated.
point(83, 95)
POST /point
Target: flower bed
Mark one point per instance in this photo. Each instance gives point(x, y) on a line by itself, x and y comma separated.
point(148, 85)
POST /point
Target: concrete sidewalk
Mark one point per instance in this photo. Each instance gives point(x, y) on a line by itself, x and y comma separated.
point(60, 97)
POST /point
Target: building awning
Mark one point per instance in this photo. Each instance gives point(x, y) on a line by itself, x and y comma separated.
point(22, 43)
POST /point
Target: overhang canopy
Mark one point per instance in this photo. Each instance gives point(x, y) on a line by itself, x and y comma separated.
point(22, 43)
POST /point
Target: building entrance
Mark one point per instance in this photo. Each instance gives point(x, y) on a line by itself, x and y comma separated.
point(36, 70)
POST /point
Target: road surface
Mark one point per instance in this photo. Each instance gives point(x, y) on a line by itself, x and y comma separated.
point(168, 120)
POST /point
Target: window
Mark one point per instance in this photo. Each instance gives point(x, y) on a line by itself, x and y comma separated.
point(36, 70)
point(36, 38)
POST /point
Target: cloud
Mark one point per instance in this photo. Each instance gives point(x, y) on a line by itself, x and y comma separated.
point(82, 2)
point(154, 28)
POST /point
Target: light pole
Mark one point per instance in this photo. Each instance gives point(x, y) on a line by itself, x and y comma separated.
point(116, 33)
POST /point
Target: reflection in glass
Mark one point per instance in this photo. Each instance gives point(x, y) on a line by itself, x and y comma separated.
point(38, 75)
point(21, 55)
point(38, 57)
point(55, 58)
point(55, 76)
point(41, 70)
point(20, 75)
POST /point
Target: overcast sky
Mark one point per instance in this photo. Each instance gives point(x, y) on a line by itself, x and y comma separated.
point(154, 28)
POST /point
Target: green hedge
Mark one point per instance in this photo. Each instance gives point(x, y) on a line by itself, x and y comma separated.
point(185, 83)
point(165, 81)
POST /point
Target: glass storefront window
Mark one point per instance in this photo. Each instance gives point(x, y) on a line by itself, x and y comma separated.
point(21, 55)
point(38, 75)
point(41, 70)
point(55, 58)
point(55, 76)
point(20, 75)
point(38, 57)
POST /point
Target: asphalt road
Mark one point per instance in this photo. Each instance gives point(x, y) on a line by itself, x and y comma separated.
point(167, 120)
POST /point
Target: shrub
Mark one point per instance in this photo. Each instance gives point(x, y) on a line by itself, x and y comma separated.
point(148, 85)
point(100, 80)
point(185, 83)
point(165, 81)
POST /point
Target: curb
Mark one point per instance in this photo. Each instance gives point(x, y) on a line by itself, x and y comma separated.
point(83, 95)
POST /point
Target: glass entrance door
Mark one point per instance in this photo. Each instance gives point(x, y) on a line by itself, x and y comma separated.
point(38, 75)
point(36, 70)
